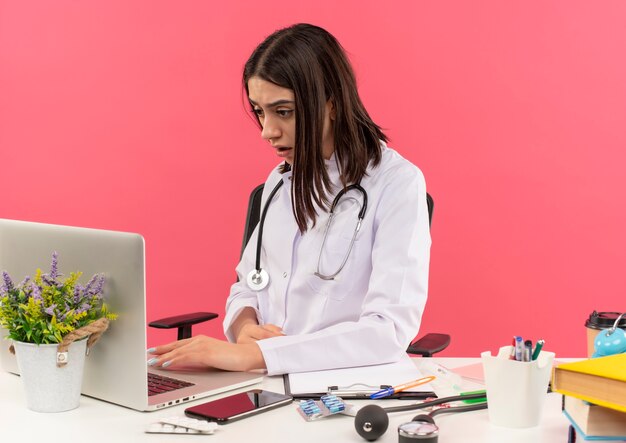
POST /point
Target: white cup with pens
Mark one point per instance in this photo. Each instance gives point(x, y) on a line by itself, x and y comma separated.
point(517, 382)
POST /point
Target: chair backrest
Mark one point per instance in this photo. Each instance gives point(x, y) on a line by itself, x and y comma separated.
point(431, 207)
point(254, 213)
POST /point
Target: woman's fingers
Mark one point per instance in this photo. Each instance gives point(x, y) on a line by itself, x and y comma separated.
point(172, 360)
point(178, 352)
point(251, 333)
point(158, 350)
point(167, 353)
point(274, 329)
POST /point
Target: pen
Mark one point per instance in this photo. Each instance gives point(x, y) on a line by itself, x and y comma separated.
point(528, 350)
point(538, 348)
point(519, 348)
point(403, 387)
point(512, 355)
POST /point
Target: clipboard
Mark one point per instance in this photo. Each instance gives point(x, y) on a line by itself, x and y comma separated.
point(358, 382)
point(355, 395)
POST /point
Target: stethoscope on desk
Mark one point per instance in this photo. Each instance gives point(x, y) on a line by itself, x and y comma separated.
point(258, 278)
point(372, 421)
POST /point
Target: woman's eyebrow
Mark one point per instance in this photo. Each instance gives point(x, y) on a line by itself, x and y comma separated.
point(273, 104)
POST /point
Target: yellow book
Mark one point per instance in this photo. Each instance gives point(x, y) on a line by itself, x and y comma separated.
point(601, 381)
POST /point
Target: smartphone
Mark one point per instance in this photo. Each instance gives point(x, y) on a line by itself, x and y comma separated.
point(238, 406)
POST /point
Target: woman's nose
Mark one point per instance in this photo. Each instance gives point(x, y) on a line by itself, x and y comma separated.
point(270, 130)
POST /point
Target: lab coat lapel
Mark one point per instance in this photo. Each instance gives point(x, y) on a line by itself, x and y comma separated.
point(280, 233)
point(288, 229)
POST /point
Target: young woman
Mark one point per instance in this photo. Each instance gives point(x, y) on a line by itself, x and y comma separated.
point(319, 295)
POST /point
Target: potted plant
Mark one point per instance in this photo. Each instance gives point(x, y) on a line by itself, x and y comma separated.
point(44, 315)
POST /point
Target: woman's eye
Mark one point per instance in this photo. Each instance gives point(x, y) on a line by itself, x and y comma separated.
point(284, 112)
point(258, 112)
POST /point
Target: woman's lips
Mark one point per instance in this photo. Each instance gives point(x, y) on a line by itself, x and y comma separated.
point(283, 151)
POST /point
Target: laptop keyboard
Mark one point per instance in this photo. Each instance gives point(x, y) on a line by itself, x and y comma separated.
point(158, 384)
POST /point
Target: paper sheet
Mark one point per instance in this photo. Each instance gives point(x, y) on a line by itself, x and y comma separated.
point(361, 379)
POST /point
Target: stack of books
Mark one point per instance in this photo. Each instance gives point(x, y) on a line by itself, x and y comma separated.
point(594, 396)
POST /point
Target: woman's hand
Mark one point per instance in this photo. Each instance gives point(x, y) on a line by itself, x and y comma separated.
point(246, 328)
point(202, 351)
point(250, 332)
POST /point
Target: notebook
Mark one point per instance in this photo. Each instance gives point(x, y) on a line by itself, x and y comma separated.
point(115, 369)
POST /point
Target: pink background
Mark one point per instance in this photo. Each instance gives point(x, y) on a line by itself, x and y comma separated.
point(128, 115)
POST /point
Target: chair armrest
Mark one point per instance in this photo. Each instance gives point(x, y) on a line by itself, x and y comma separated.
point(429, 344)
point(183, 322)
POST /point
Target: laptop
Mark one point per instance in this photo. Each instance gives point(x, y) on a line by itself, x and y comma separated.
point(115, 369)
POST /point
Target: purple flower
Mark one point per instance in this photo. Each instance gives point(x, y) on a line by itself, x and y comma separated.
point(50, 310)
point(78, 292)
point(36, 292)
point(95, 285)
point(51, 278)
point(25, 281)
point(54, 267)
point(63, 315)
point(84, 308)
point(8, 283)
point(97, 290)
point(90, 283)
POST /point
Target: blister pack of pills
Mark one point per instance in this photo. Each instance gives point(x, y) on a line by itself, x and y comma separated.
point(181, 425)
point(315, 409)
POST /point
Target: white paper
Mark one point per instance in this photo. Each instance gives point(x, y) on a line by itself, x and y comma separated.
point(366, 379)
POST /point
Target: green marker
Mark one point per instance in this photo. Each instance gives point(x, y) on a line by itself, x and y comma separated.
point(538, 349)
point(475, 400)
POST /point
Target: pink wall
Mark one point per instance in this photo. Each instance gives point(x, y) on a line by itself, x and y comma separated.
point(128, 116)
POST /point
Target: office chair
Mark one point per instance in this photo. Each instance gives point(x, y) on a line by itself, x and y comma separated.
point(425, 346)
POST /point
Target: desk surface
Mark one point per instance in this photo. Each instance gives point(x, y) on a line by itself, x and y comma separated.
point(96, 421)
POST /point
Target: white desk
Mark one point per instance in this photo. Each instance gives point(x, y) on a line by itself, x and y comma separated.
point(96, 421)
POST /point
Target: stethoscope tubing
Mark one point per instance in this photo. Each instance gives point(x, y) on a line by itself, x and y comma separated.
point(258, 278)
point(259, 241)
point(358, 187)
point(439, 401)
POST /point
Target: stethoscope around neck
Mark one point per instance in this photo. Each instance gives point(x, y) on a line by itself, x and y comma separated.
point(258, 278)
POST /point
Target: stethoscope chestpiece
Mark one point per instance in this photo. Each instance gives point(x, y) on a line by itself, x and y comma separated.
point(257, 279)
point(418, 432)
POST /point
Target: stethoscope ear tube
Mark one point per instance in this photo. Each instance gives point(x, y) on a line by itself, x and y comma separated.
point(347, 189)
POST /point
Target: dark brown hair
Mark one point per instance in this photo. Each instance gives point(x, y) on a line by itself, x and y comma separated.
point(311, 62)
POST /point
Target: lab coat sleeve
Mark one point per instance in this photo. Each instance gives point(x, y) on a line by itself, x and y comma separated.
point(241, 296)
point(393, 305)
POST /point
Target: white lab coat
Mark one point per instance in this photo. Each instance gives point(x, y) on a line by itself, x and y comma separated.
point(372, 310)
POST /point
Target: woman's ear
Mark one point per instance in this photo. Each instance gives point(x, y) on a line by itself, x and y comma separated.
point(330, 108)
